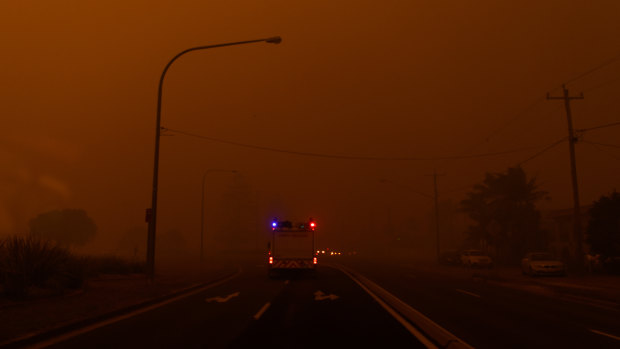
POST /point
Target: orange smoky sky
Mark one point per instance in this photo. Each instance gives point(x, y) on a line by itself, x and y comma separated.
point(385, 79)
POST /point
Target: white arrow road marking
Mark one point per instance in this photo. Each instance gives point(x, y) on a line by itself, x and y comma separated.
point(319, 296)
point(222, 299)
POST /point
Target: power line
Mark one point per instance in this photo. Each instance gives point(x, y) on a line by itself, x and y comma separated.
point(603, 144)
point(597, 127)
point(592, 70)
point(601, 150)
point(595, 87)
point(499, 129)
point(549, 147)
point(515, 117)
point(348, 157)
point(460, 188)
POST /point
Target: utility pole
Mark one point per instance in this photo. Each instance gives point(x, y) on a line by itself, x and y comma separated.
point(435, 174)
point(577, 233)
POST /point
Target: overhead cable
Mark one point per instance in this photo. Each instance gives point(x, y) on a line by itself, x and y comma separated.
point(347, 157)
point(549, 147)
point(603, 144)
point(597, 127)
point(592, 70)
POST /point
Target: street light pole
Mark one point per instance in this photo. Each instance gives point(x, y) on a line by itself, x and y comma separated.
point(150, 248)
point(202, 209)
point(426, 196)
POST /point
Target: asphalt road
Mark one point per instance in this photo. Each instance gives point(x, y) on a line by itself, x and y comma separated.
point(251, 310)
point(486, 315)
point(331, 310)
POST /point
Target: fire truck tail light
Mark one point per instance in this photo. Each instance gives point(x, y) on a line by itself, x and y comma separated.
point(314, 260)
point(270, 260)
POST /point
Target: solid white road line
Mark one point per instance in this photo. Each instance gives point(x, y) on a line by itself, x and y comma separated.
point(261, 311)
point(86, 329)
point(605, 334)
point(422, 338)
point(467, 292)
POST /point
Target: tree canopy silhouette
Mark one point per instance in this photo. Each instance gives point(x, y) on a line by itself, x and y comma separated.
point(68, 226)
point(503, 208)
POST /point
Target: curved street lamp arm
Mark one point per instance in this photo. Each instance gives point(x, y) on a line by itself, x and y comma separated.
point(150, 259)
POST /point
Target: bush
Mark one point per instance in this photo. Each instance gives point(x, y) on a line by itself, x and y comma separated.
point(29, 262)
point(31, 265)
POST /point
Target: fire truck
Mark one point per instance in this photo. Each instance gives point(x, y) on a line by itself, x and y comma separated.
point(292, 247)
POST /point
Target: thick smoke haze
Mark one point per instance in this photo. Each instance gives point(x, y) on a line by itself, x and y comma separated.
point(389, 79)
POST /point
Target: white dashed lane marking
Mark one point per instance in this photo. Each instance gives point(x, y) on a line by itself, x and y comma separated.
point(468, 293)
point(262, 311)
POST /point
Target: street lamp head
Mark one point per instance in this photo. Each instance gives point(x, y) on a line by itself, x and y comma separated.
point(274, 40)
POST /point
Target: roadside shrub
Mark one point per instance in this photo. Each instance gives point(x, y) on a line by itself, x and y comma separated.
point(30, 265)
point(29, 262)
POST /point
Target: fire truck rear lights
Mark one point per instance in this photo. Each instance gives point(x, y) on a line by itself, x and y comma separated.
point(314, 260)
point(270, 260)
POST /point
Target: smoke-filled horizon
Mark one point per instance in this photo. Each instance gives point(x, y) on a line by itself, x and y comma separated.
point(386, 93)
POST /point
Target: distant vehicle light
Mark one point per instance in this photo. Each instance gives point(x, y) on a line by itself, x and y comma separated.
point(314, 260)
point(323, 252)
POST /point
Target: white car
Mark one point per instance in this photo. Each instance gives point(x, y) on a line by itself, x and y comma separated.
point(476, 259)
point(542, 263)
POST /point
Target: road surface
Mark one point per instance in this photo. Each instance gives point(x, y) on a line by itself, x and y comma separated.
point(252, 310)
point(332, 310)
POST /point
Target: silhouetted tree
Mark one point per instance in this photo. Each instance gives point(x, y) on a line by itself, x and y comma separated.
point(503, 208)
point(68, 227)
point(603, 232)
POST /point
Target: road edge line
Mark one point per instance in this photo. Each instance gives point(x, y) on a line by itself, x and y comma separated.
point(414, 331)
point(604, 334)
point(427, 327)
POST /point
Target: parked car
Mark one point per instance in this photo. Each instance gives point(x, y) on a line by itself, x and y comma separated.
point(476, 259)
point(450, 257)
point(542, 263)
